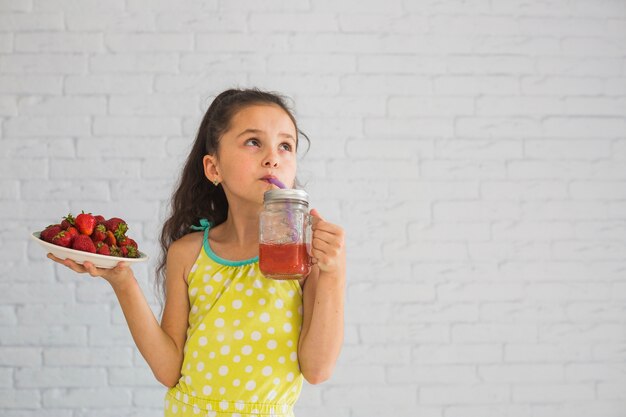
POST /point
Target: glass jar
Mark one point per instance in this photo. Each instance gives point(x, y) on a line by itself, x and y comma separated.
point(285, 234)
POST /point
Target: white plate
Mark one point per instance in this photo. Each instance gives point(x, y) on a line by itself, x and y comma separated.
point(78, 256)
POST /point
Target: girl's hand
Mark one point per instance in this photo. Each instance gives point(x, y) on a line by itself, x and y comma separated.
point(116, 276)
point(327, 245)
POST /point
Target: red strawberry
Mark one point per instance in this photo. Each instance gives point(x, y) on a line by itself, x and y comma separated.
point(63, 238)
point(99, 233)
point(99, 219)
point(117, 226)
point(102, 248)
point(115, 251)
point(110, 239)
point(84, 243)
point(49, 232)
point(129, 252)
point(68, 221)
point(72, 231)
point(85, 223)
point(126, 241)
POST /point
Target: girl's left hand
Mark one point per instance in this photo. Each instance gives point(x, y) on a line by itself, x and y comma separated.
point(327, 245)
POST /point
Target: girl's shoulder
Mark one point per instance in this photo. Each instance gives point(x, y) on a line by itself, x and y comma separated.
point(185, 250)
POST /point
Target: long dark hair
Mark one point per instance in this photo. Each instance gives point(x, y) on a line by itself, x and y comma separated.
point(195, 197)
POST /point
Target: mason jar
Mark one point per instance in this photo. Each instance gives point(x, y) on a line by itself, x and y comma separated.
point(285, 234)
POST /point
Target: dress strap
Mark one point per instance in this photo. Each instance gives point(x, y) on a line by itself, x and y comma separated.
point(204, 225)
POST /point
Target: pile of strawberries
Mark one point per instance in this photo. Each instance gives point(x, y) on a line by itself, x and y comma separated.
point(89, 233)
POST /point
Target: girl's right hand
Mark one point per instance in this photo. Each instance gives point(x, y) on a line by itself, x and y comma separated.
point(117, 276)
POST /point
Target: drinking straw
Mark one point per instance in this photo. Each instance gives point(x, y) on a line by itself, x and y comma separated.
point(276, 183)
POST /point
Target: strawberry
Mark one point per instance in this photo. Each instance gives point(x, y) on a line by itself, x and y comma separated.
point(102, 248)
point(49, 232)
point(110, 238)
point(72, 231)
point(85, 223)
point(84, 243)
point(126, 241)
point(99, 219)
point(63, 238)
point(68, 221)
point(117, 226)
point(99, 233)
point(129, 252)
point(115, 251)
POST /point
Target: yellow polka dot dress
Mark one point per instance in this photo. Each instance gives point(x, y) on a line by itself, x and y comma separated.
point(240, 357)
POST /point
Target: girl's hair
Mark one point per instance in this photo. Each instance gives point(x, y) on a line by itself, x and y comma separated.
point(195, 197)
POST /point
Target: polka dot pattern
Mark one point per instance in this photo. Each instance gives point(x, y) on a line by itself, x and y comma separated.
point(241, 349)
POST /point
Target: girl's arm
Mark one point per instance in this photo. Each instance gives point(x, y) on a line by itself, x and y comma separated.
point(321, 336)
point(160, 345)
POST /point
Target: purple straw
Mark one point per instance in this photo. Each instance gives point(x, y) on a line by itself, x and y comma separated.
point(276, 183)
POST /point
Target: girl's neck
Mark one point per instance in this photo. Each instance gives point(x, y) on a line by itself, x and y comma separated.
point(240, 229)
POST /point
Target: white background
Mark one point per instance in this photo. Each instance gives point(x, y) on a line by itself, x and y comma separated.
point(474, 151)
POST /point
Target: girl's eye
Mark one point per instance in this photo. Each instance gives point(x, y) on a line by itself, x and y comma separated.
point(286, 146)
point(253, 141)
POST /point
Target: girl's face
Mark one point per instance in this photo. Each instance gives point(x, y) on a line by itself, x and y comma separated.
point(260, 142)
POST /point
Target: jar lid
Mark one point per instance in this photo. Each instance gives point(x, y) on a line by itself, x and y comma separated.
point(286, 195)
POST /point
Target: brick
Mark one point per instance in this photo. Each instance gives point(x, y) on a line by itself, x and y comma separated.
point(435, 312)
point(62, 106)
point(60, 377)
point(16, 6)
point(114, 5)
point(23, 168)
point(589, 250)
point(158, 42)
point(59, 42)
point(553, 392)
point(437, 231)
point(24, 126)
point(155, 105)
point(20, 399)
point(67, 313)
point(134, 63)
point(563, 149)
point(43, 64)
point(532, 231)
point(30, 84)
point(464, 394)
point(140, 126)
point(87, 20)
point(108, 84)
point(6, 42)
point(579, 332)
point(578, 66)
point(235, 42)
point(479, 150)
point(181, 21)
point(472, 211)
point(44, 335)
point(475, 333)
point(430, 106)
point(398, 395)
point(358, 375)
point(92, 398)
point(165, 6)
point(20, 357)
point(522, 312)
point(262, 22)
point(428, 374)
point(546, 352)
point(383, 21)
point(498, 127)
point(492, 65)
point(464, 85)
point(22, 22)
point(43, 293)
point(137, 376)
point(399, 84)
point(87, 356)
point(197, 65)
point(584, 127)
point(519, 106)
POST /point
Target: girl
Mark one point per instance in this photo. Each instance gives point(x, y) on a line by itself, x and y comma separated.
point(232, 342)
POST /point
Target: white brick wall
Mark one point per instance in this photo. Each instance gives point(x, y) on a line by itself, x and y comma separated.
point(475, 152)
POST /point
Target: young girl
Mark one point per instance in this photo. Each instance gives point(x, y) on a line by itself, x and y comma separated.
point(232, 342)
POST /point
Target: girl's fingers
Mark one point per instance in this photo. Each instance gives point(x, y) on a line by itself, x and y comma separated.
point(325, 236)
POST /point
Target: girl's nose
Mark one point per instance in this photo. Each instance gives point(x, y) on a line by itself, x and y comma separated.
point(271, 160)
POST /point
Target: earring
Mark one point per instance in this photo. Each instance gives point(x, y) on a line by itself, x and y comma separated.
point(216, 182)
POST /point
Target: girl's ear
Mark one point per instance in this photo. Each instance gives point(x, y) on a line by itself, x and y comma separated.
point(210, 168)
